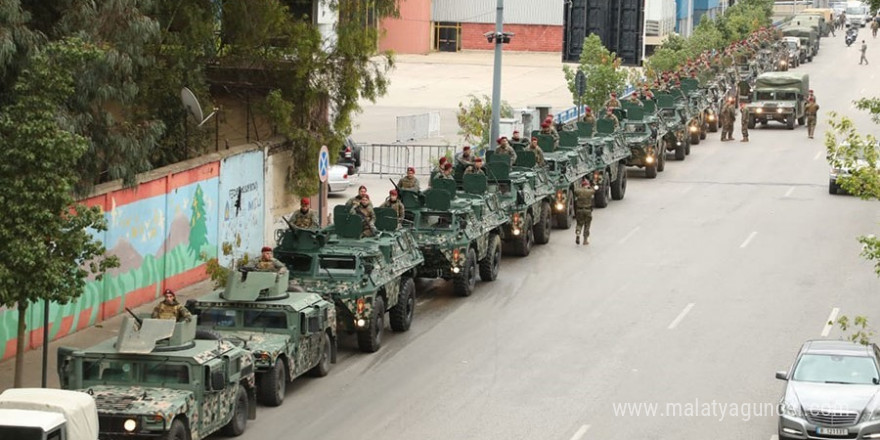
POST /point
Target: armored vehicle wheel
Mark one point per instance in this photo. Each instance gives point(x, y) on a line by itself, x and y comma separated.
point(618, 187)
point(703, 133)
point(562, 220)
point(802, 120)
point(679, 152)
point(522, 244)
point(789, 122)
point(661, 160)
point(323, 367)
point(687, 147)
point(401, 315)
point(713, 127)
point(651, 171)
point(370, 340)
point(465, 282)
point(273, 384)
point(695, 138)
point(177, 431)
point(542, 226)
point(237, 425)
point(751, 123)
point(489, 266)
point(833, 187)
point(603, 194)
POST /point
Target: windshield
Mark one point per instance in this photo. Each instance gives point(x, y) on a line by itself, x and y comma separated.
point(856, 10)
point(251, 319)
point(134, 372)
point(265, 319)
point(344, 265)
point(825, 368)
point(781, 96)
point(791, 44)
point(297, 262)
point(668, 112)
point(634, 128)
point(434, 220)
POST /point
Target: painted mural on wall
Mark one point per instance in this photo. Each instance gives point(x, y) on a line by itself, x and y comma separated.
point(241, 205)
point(160, 231)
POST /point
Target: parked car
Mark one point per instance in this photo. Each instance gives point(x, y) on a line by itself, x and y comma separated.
point(832, 391)
point(338, 180)
point(838, 171)
point(350, 156)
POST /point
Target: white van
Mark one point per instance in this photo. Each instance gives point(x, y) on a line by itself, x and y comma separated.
point(857, 14)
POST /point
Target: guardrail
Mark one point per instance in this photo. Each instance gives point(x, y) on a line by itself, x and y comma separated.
point(394, 159)
point(571, 113)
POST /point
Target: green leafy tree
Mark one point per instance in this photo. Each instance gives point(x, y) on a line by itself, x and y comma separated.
point(17, 40)
point(47, 250)
point(475, 116)
point(862, 333)
point(198, 222)
point(602, 70)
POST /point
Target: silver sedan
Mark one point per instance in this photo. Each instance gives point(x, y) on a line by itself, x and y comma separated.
point(338, 180)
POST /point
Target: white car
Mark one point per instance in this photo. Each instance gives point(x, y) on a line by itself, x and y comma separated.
point(835, 173)
point(338, 180)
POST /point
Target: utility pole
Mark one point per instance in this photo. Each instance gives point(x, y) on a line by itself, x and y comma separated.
point(499, 37)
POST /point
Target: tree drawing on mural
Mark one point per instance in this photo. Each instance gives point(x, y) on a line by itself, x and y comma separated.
point(198, 228)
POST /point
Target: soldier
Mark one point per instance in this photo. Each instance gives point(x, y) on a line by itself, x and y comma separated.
point(744, 122)
point(305, 217)
point(727, 119)
point(409, 182)
point(588, 117)
point(505, 148)
point(811, 110)
point(612, 101)
point(447, 172)
point(268, 263)
point(169, 308)
point(810, 95)
point(465, 158)
point(647, 93)
point(364, 210)
point(394, 203)
point(583, 214)
point(539, 153)
point(863, 49)
point(476, 168)
point(547, 129)
point(516, 137)
point(440, 164)
point(634, 98)
point(550, 123)
point(362, 190)
point(609, 115)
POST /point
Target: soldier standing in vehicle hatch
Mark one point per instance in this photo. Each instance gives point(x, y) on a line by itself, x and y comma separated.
point(305, 217)
point(410, 181)
point(811, 110)
point(505, 148)
point(169, 308)
point(364, 210)
point(394, 203)
point(268, 263)
point(583, 210)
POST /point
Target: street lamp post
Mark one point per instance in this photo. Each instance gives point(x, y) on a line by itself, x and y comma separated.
point(499, 37)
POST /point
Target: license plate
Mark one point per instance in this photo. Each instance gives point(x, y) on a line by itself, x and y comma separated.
point(832, 431)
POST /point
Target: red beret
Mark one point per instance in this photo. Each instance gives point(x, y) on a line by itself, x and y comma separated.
point(304, 201)
point(545, 124)
point(534, 138)
point(466, 147)
point(169, 292)
point(447, 166)
point(515, 131)
point(266, 249)
point(479, 159)
point(408, 169)
point(393, 192)
point(498, 140)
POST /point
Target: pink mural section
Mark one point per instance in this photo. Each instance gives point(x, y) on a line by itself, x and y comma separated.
point(162, 231)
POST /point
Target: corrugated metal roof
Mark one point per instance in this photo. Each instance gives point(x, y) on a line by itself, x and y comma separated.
point(537, 12)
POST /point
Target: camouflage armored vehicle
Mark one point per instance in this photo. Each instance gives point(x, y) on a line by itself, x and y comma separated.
point(458, 232)
point(699, 109)
point(779, 96)
point(646, 149)
point(155, 380)
point(566, 165)
point(675, 119)
point(609, 151)
point(365, 277)
point(289, 333)
point(809, 39)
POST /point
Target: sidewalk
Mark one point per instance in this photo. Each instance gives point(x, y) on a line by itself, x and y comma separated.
point(107, 329)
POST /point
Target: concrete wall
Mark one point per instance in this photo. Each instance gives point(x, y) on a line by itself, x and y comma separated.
point(411, 33)
point(537, 38)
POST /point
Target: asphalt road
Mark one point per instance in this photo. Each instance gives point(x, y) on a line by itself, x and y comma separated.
point(695, 288)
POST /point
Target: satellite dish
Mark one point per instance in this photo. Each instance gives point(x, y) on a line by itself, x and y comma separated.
point(192, 105)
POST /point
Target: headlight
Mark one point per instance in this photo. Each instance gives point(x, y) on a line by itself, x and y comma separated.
point(559, 206)
point(130, 425)
point(361, 322)
point(649, 159)
point(759, 110)
point(694, 128)
point(678, 143)
point(790, 409)
point(871, 416)
point(516, 231)
point(780, 110)
point(456, 269)
point(711, 117)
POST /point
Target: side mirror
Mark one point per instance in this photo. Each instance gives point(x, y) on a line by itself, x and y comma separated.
point(313, 325)
point(782, 375)
point(218, 380)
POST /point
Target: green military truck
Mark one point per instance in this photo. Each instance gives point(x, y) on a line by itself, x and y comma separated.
point(609, 153)
point(156, 380)
point(646, 149)
point(457, 232)
point(779, 96)
point(675, 121)
point(288, 333)
point(809, 39)
point(365, 277)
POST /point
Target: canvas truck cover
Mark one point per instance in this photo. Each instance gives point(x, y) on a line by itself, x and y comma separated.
point(801, 32)
point(779, 80)
point(77, 407)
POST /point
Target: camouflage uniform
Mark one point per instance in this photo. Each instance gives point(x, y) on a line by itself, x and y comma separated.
point(464, 161)
point(409, 183)
point(549, 131)
point(589, 118)
point(612, 102)
point(811, 109)
point(613, 118)
point(727, 119)
point(397, 206)
point(583, 214)
point(307, 220)
point(272, 265)
point(474, 170)
point(635, 100)
point(368, 216)
point(744, 123)
point(539, 154)
point(175, 311)
point(508, 150)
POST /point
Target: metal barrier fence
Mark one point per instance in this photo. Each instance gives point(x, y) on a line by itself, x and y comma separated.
point(393, 160)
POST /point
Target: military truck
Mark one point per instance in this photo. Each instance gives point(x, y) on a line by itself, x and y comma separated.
point(808, 37)
point(779, 96)
point(289, 333)
point(675, 119)
point(815, 21)
point(458, 232)
point(365, 277)
point(47, 414)
point(157, 380)
point(646, 149)
point(609, 151)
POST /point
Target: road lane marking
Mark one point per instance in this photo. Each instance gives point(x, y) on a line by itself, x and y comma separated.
point(680, 316)
point(829, 324)
point(748, 240)
point(580, 432)
point(788, 193)
point(818, 155)
point(629, 235)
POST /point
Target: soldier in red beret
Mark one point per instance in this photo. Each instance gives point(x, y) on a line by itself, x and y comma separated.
point(305, 218)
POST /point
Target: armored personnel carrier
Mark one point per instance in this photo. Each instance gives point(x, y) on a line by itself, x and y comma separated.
point(646, 149)
point(675, 118)
point(567, 164)
point(289, 333)
point(365, 277)
point(156, 380)
point(609, 152)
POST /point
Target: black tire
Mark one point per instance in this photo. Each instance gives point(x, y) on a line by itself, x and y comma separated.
point(603, 194)
point(562, 220)
point(543, 226)
point(370, 340)
point(802, 120)
point(522, 244)
point(273, 384)
point(208, 334)
point(687, 147)
point(679, 152)
point(466, 281)
point(703, 133)
point(401, 315)
point(661, 160)
point(751, 123)
point(694, 138)
point(238, 423)
point(651, 170)
point(177, 432)
point(713, 126)
point(322, 368)
point(489, 266)
point(618, 187)
point(833, 187)
point(789, 122)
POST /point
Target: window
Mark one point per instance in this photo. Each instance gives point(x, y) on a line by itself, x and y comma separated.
point(433, 220)
point(265, 319)
point(836, 369)
point(166, 374)
point(297, 263)
point(109, 371)
point(334, 265)
point(217, 318)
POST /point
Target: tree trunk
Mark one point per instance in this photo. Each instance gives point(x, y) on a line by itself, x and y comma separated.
point(19, 346)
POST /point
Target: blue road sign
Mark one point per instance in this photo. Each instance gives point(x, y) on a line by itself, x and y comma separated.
point(324, 164)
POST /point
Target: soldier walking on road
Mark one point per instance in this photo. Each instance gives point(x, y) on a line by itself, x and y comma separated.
point(583, 210)
point(863, 49)
point(744, 122)
point(811, 110)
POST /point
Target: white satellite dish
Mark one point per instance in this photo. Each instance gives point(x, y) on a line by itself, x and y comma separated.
point(192, 105)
